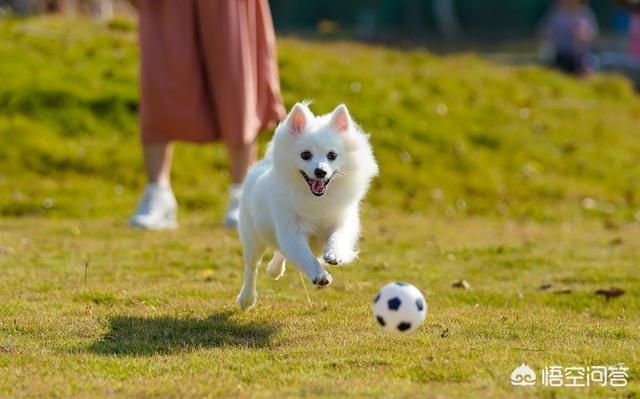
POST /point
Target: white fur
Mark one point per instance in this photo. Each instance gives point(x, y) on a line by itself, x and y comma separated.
point(279, 211)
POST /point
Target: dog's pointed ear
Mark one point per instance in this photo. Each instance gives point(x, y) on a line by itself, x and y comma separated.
point(297, 119)
point(340, 119)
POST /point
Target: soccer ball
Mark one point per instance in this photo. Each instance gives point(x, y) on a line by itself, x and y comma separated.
point(399, 308)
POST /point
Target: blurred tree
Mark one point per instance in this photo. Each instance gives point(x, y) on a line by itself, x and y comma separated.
point(416, 18)
point(413, 17)
point(21, 6)
point(446, 18)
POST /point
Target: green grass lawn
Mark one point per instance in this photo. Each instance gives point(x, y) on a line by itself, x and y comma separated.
point(507, 177)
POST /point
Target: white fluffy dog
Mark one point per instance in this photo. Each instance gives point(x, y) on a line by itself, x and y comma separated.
point(303, 198)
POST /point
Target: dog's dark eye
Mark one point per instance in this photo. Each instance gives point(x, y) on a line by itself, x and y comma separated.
point(331, 156)
point(306, 155)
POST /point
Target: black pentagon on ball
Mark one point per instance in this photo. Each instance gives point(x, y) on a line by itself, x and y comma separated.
point(404, 326)
point(381, 321)
point(377, 298)
point(420, 304)
point(394, 303)
point(401, 283)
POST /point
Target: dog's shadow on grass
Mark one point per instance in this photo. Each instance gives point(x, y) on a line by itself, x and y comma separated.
point(146, 336)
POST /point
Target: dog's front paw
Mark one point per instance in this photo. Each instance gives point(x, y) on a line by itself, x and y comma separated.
point(246, 301)
point(331, 257)
point(323, 279)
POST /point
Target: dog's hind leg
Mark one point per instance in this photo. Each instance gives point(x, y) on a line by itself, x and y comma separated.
point(276, 266)
point(252, 254)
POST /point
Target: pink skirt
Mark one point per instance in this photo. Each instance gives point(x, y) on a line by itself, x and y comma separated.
point(208, 72)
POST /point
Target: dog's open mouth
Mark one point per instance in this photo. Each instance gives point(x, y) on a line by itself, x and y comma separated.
point(317, 186)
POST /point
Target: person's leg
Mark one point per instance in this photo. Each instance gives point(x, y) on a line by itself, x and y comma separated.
point(237, 43)
point(241, 156)
point(172, 85)
point(157, 162)
point(157, 207)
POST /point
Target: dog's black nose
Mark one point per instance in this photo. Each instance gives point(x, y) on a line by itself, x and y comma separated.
point(319, 173)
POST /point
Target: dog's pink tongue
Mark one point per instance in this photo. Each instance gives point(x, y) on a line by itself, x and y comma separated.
point(317, 186)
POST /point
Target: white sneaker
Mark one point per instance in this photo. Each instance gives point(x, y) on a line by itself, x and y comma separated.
point(156, 210)
point(233, 210)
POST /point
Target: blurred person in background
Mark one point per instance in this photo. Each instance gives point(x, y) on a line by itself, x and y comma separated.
point(208, 73)
point(633, 8)
point(634, 35)
point(570, 30)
